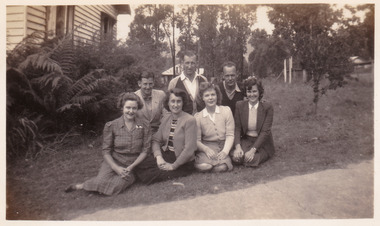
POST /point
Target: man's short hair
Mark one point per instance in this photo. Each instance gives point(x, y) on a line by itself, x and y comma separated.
point(229, 64)
point(145, 74)
point(188, 53)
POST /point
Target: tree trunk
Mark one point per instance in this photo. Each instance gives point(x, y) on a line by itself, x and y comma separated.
point(173, 50)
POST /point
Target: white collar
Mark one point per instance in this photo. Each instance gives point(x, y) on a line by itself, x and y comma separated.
point(183, 76)
point(255, 106)
point(237, 89)
point(205, 112)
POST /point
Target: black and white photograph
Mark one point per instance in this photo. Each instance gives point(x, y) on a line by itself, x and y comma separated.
point(204, 112)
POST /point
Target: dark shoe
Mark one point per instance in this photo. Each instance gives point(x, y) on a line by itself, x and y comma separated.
point(71, 188)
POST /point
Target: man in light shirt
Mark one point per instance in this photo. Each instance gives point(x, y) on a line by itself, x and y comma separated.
point(189, 81)
point(231, 90)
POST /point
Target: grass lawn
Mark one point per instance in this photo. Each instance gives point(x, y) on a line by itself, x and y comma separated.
point(341, 133)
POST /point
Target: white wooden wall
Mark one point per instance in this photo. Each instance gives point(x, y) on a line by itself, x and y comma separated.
point(24, 20)
point(87, 21)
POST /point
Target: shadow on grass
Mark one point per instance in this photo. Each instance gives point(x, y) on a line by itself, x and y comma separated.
point(341, 134)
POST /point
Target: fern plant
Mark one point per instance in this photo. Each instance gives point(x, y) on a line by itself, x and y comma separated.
point(48, 84)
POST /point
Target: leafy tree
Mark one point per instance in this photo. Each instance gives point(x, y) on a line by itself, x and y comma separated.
point(208, 37)
point(321, 51)
point(186, 23)
point(268, 53)
point(146, 28)
point(236, 21)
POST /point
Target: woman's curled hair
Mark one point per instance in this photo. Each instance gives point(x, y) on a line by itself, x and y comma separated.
point(124, 97)
point(178, 93)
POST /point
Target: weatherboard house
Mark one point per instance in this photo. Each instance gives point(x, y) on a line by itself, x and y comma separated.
point(86, 23)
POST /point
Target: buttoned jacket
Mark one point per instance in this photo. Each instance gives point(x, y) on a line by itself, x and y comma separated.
point(263, 124)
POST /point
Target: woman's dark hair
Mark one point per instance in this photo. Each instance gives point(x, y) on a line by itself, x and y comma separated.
point(250, 82)
point(178, 93)
point(124, 97)
point(204, 86)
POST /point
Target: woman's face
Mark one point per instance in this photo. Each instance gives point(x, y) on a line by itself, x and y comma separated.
point(129, 110)
point(253, 94)
point(210, 97)
point(175, 104)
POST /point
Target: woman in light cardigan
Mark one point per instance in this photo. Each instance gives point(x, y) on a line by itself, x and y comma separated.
point(174, 143)
point(215, 131)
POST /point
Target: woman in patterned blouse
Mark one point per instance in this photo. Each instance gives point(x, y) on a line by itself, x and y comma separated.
point(126, 142)
point(174, 143)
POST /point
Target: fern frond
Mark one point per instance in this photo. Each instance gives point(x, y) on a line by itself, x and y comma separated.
point(68, 107)
point(82, 100)
point(41, 61)
point(84, 83)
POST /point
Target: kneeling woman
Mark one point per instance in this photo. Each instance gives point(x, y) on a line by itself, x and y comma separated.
point(253, 123)
point(215, 131)
point(126, 142)
point(174, 143)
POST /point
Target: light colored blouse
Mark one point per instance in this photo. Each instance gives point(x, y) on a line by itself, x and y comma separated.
point(252, 120)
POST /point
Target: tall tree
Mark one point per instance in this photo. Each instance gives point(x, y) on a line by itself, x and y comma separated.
point(186, 23)
point(235, 29)
point(169, 25)
point(268, 54)
point(147, 27)
point(315, 42)
point(208, 34)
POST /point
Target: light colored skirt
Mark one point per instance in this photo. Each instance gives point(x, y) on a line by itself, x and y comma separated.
point(216, 146)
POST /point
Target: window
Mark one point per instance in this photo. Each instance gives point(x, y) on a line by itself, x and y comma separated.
point(107, 25)
point(63, 21)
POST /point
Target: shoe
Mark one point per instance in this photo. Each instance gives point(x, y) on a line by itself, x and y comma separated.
point(70, 188)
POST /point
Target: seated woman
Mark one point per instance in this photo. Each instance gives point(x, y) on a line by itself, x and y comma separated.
point(253, 123)
point(215, 131)
point(174, 143)
point(126, 142)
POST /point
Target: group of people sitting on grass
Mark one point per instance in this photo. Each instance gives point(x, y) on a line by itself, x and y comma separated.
point(195, 126)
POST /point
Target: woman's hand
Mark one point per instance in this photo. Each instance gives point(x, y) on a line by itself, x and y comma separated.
point(160, 161)
point(249, 155)
point(130, 168)
point(210, 153)
point(167, 167)
point(222, 155)
point(238, 154)
point(121, 171)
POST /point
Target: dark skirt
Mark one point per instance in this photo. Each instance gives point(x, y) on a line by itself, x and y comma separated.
point(148, 171)
point(246, 144)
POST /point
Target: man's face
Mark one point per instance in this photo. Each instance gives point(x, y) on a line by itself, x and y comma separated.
point(189, 65)
point(229, 75)
point(146, 86)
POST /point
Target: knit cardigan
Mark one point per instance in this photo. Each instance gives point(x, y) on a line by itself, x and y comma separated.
point(184, 139)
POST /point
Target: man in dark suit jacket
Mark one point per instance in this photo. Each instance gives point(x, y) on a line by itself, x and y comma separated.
point(231, 90)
